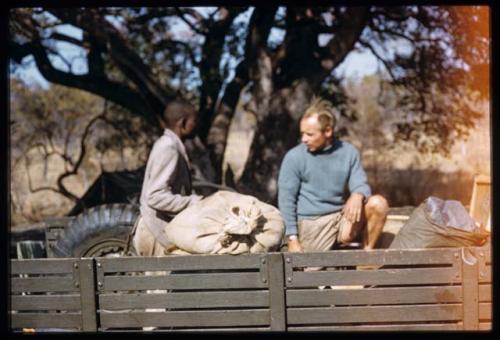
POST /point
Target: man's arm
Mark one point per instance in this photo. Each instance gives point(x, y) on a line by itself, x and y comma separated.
point(359, 189)
point(288, 190)
point(159, 195)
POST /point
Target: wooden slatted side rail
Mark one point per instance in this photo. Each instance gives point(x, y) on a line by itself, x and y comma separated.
point(191, 293)
point(52, 294)
point(427, 289)
point(480, 203)
point(403, 290)
point(478, 301)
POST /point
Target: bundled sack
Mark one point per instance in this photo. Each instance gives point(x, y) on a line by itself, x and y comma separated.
point(227, 223)
point(439, 223)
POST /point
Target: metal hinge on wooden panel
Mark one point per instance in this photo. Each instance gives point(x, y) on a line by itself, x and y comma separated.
point(76, 274)
point(468, 257)
point(482, 255)
point(457, 265)
point(288, 269)
point(263, 268)
point(100, 275)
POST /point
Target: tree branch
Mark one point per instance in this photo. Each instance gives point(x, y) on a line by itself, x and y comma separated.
point(129, 62)
point(388, 31)
point(391, 15)
point(66, 38)
point(153, 13)
point(353, 23)
point(19, 51)
point(261, 71)
point(69, 132)
point(212, 81)
point(118, 93)
point(63, 192)
point(385, 62)
point(259, 28)
point(165, 44)
point(64, 60)
point(61, 188)
point(182, 15)
point(402, 35)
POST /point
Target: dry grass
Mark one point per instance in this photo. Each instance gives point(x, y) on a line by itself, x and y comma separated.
point(401, 175)
point(28, 207)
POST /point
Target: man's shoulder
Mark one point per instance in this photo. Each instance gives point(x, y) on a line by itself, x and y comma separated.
point(165, 142)
point(296, 151)
point(293, 156)
point(345, 146)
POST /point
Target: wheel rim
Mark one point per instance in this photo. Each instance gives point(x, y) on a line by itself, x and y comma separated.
point(106, 248)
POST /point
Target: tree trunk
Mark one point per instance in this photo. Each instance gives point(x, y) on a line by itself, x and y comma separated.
point(275, 135)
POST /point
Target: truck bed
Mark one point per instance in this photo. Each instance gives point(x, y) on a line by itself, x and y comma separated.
point(355, 290)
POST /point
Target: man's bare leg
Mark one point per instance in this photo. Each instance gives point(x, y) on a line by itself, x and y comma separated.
point(376, 209)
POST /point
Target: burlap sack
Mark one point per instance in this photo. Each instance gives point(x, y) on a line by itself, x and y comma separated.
point(438, 223)
point(227, 223)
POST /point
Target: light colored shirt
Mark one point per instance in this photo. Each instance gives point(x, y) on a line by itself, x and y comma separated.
point(166, 189)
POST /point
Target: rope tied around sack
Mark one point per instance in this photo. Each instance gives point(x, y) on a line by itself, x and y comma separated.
point(240, 222)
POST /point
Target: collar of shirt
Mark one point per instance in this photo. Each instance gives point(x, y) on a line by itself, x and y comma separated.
point(328, 149)
point(180, 145)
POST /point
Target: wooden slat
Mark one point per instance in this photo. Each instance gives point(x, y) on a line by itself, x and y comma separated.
point(44, 302)
point(470, 286)
point(185, 281)
point(192, 262)
point(485, 311)
point(87, 295)
point(52, 320)
point(485, 273)
point(194, 330)
point(374, 296)
point(375, 277)
point(485, 293)
point(411, 313)
point(42, 284)
point(486, 248)
point(387, 327)
point(42, 266)
point(276, 292)
point(485, 326)
point(186, 319)
point(480, 205)
point(223, 330)
point(374, 257)
point(185, 300)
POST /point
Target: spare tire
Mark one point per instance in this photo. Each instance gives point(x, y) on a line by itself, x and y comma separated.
point(100, 231)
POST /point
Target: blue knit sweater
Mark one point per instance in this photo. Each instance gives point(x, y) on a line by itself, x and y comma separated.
point(315, 184)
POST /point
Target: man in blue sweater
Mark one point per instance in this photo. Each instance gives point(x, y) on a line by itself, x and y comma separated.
point(312, 185)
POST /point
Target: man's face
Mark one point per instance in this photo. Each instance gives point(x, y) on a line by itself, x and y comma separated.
point(311, 134)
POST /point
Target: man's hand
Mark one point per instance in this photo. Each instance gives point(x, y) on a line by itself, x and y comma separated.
point(294, 246)
point(353, 206)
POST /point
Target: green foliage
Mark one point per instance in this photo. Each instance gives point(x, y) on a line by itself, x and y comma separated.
point(434, 69)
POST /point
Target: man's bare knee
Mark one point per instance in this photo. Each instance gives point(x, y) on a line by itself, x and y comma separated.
point(377, 204)
point(349, 233)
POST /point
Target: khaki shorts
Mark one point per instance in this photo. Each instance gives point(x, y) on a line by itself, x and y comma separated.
point(323, 232)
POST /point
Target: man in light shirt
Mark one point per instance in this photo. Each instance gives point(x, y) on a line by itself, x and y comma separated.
point(166, 189)
point(312, 185)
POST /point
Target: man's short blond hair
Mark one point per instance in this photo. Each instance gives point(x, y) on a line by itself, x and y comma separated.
point(324, 110)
